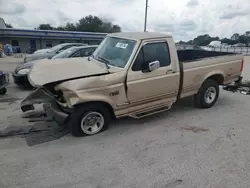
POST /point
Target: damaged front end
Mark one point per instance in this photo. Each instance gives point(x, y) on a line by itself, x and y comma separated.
point(50, 105)
point(38, 96)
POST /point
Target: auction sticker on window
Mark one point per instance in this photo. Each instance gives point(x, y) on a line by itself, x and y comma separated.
point(121, 45)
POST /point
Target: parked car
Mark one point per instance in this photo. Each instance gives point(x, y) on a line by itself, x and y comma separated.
point(4, 81)
point(52, 51)
point(21, 72)
point(42, 50)
point(129, 74)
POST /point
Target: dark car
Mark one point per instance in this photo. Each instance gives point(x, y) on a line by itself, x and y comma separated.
point(20, 74)
point(51, 52)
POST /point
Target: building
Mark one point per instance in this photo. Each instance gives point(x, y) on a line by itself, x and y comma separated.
point(32, 40)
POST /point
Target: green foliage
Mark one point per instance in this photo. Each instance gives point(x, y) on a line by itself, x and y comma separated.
point(204, 40)
point(86, 24)
point(45, 27)
point(8, 25)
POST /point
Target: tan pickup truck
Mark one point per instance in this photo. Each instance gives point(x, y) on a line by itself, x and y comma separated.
point(129, 74)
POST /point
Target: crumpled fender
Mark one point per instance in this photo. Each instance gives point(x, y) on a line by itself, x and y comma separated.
point(37, 96)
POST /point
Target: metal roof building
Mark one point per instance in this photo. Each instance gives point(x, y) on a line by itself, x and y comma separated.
point(31, 40)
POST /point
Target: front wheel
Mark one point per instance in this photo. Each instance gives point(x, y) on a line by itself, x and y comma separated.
point(89, 120)
point(207, 94)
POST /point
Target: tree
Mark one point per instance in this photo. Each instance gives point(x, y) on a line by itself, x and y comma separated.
point(70, 27)
point(8, 25)
point(91, 24)
point(235, 36)
point(60, 28)
point(204, 40)
point(45, 27)
point(86, 24)
point(247, 37)
point(116, 28)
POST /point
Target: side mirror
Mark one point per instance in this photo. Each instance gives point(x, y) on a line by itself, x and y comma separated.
point(151, 66)
point(154, 65)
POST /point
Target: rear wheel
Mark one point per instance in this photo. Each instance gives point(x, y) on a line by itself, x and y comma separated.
point(207, 94)
point(89, 120)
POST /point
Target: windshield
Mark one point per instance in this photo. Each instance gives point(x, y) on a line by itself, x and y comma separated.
point(115, 51)
point(65, 53)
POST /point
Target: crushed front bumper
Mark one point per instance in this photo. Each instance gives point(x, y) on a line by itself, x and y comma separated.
point(54, 110)
point(38, 96)
point(41, 96)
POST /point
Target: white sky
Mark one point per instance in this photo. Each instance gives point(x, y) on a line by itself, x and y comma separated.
point(184, 19)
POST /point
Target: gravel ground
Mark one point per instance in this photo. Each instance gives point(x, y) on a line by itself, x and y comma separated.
point(161, 151)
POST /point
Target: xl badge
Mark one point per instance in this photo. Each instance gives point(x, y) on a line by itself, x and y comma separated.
point(114, 93)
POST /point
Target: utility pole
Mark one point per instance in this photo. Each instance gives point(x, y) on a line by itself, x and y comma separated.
point(146, 15)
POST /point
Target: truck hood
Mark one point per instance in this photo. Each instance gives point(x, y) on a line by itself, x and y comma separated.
point(49, 71)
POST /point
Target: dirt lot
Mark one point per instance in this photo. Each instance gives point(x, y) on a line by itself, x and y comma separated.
point(161, 151)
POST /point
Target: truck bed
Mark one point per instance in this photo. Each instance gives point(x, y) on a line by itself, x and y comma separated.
point(185, 56)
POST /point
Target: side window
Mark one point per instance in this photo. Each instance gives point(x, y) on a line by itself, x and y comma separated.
point(137, 66)
point(77, 54)
point(157, 52)
point(84, 53)
point(63, 48)
point(152, 52)
point(91, 50)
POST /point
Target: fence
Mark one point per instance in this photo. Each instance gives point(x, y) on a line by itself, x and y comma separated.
point(242, 50)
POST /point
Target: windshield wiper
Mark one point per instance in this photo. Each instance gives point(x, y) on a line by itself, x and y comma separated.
point(105, 61)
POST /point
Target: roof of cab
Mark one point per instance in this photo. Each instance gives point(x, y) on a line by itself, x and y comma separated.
point(139, 35)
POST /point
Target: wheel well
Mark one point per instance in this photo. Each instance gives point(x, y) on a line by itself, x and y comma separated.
point(217, 78)
point(105, 104)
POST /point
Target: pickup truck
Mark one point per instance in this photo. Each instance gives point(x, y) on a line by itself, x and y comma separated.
point(132, 74)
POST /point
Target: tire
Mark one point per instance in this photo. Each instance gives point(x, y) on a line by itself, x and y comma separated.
point(3, 91)
point(83, 113)
point(207, 94)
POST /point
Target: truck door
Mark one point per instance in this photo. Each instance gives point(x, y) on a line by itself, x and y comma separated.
point(162, 83)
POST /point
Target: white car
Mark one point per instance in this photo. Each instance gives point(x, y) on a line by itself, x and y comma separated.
point(42, 51)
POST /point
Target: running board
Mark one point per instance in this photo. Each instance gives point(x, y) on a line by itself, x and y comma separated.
point(144, 113)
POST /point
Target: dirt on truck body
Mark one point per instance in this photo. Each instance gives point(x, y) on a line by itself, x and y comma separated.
point(129, 74)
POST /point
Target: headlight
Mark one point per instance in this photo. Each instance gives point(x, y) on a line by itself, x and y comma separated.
point(23, 71)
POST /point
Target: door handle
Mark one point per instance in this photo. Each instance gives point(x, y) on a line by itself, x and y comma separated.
point(170, 71)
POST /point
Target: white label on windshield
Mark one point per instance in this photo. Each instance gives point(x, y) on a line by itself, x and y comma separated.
point(121, 45)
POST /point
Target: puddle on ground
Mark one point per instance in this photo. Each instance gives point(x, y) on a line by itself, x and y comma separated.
point(10, 101)
point(36, 134)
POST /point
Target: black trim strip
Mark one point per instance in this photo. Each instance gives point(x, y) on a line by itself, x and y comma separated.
point(181, 81)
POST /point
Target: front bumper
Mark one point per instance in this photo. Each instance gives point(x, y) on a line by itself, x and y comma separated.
point(38, 96)
point(20, 79)
point(51, 107)
point(54, 110)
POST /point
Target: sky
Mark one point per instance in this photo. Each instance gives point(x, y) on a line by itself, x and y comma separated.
point(184, 19)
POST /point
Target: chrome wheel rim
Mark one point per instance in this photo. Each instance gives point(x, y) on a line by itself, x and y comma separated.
point(210, 95)
point(92, 123)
